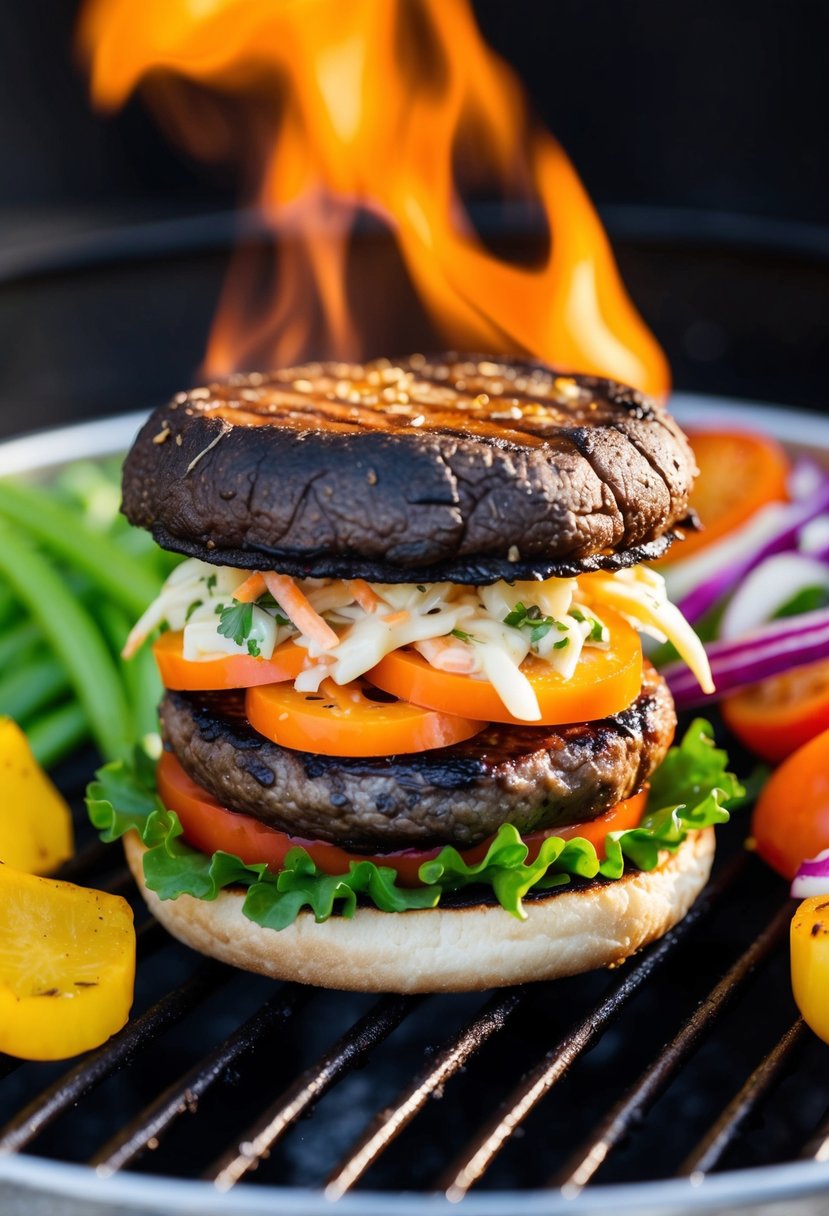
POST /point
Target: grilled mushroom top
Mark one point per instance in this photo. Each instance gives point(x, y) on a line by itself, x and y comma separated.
point(466, 468)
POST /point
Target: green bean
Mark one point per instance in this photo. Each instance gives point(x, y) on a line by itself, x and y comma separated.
point(75, 640)
point(124, 579)
point(57, 733)
point(145, 691)
point(32, 688)
point(140, 674)
point(7, 605)
point(18, 642)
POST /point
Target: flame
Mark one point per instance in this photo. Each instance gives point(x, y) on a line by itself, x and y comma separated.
point(394, 107)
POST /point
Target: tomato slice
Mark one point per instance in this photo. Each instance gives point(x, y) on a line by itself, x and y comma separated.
point(777, 716)
point(604, 682)
point(210, 827)
point(227, 671)
point(739, 472)
point(353, 720)
point(791, 818)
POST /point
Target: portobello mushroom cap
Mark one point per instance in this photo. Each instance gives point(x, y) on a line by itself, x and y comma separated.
point(460, 468)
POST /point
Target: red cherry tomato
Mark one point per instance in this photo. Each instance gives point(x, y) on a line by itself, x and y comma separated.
point(777, 716)
point(791, 818)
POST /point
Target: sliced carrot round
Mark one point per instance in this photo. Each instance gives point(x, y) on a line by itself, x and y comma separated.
point(226, 671)
point(604, 682)
point(739, 472)
point(353, 720)
point(211, 827)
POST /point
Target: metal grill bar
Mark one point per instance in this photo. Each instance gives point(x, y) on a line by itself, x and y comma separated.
point(308, 1088)
point(584, 1164)
point(466, 1169)
point(722, 1134)
point(96, 1067)
point(184, 1093)
point(388, 1123)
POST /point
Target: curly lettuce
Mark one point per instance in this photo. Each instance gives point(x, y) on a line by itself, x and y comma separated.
point(692, 789)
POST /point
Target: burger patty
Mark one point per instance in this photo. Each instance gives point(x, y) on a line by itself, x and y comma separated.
point(529, 776)
point(466, 469)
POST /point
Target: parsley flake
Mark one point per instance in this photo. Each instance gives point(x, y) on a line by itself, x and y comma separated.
point(235, 621)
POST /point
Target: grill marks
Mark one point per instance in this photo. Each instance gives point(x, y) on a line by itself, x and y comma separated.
point(452, 468)
point(531, 777)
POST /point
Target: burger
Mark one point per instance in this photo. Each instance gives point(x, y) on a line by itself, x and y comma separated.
point(410, 742)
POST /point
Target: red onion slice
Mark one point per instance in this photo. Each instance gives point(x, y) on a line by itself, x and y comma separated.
point(792, 518)
point(812, 878)
point(777, 647)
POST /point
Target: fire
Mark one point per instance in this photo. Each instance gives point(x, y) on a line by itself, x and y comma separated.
point(393, 107)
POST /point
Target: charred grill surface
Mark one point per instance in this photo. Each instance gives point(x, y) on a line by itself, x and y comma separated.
point(466, 469)
point(529, 776)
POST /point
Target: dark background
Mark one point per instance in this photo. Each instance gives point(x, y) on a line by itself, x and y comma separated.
point(699, 129)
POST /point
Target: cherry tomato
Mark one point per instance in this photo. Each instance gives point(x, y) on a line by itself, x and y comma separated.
point(353, 720)
point(210, 827)
point(604, 682)
point(791, 818)
point(228, 671)
point(739, 472)
point(777, 716)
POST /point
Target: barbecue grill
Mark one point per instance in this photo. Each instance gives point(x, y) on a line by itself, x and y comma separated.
point(682, 1080)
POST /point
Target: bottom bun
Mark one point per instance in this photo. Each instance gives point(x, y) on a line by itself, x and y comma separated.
point(446, 949)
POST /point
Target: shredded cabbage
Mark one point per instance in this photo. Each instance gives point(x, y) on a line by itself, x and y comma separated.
point(484, 632)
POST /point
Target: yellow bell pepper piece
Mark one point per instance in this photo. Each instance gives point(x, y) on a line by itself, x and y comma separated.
point(35, 822)
point(810, 963)
point(67, 966)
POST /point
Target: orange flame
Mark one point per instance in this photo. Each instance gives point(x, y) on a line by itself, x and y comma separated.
point(391, 106)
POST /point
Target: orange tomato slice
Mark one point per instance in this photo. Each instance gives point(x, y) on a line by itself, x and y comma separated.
point(352, 720)
point(210, 827)
point(739, 472)
point(604, 682)
point(777, 716)
point(228, 671)
point(791, 819)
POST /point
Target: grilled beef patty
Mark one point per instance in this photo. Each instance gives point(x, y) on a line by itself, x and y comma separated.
point(467, 469)
point(529, 776)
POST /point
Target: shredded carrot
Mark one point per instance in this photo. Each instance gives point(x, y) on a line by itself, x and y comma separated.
point(396, 618)
point(368, 600)
point(299, 609)
point(447, 655)
point(251, 588)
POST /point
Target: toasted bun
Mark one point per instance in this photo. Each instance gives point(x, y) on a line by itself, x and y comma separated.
point(447, 949)
point(466, 468)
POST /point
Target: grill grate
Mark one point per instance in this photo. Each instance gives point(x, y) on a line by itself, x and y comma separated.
point(543, 1085)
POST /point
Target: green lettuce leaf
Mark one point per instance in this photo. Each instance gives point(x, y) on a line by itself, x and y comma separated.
point(692, 789)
